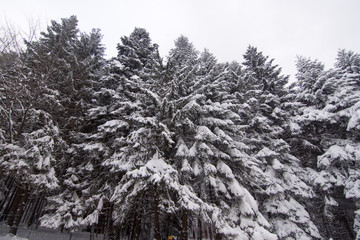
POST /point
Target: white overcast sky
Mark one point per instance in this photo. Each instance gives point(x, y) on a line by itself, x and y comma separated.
point(280, 29)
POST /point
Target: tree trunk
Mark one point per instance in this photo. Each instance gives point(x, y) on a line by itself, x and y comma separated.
point(92, 232)
point(200, 229)
point(157, 235)
point(8, 191)
point(184, 227)
point(12, 206)
point(11, 197)
point(210, 233)
point(35, 211)
point(218, 236)
point(19, 210)
point(136, 225)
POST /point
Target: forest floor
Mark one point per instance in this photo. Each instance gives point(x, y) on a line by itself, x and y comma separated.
point(46, 234)
point(43, 234)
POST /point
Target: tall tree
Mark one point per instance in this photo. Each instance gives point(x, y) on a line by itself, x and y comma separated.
point(327, 126)
point(31, 147)
point(266, 129)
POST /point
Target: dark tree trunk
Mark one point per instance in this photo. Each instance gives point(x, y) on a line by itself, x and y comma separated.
point(184, 227)
point(156, 215)
point(136, 225)
point(35, 211)
point(92, 232)
point(200, 229)
point(210, 233)
point(18, 210)
point(8, 203)
point(108, 221)
point(218, 236)
point(8, 192)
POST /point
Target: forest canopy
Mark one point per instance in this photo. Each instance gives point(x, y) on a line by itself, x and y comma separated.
point(139, 146)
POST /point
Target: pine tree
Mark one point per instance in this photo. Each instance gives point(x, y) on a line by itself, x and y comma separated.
point(67, 62)
point(266, 130)
point(181, 68)
point(132, 148)
point(69, 66)
point(308, 72)
point(210, 155)
point(31, 148)
point(331, 119)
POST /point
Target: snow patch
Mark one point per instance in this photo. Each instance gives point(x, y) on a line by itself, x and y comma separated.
point(12, 237)
point(333, 153)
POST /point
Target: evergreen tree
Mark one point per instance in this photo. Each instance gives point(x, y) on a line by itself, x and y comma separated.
point(330, 121)
point(31, 146)
point(181, 68)
point(134, 149)
point(266, 129)
point(69, 64)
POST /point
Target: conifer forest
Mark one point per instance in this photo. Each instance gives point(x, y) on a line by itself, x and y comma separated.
point(141, 147)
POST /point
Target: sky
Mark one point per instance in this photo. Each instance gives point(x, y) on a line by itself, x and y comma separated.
point(281, 29)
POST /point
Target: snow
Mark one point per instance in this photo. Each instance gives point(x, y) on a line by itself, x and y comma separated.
point(236, 189)
point(246, 222)
point(205, 134)
point(333, 153)
point(196, 168)
point(113, 126)
point(311, 114)
point(235, 153)
point(191, 105)
point(94, 146)
point(222, 134)
point(209, 169)
point(186, 167)
point(274, 189)
point(44, 234)
point(95, 112)
point(221, 186)
point(154, 96)
point(215, 122)
point(353, 191)
point(157, 170)
point(12, 237)
point(354, 121)
point(245, 209)
point(331, 201)
point(225, 169)
point(276, 164)
point(193, 150)
point(117, 64)
point(286, 228)
point(266, 152)
point(205, 150)
point(325, 180)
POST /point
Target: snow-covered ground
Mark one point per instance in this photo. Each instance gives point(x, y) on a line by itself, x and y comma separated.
point(11, 237)
point(43, 234)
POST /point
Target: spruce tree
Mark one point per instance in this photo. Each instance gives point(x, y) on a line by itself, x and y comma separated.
point(327, 126)
point(266, 129)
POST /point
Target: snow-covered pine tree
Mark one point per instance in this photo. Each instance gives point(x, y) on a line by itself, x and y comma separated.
point(266, 130)
point(120, 133)
point(331, 119)
point(209, 155)
point(68, 63)
point(308, 72)
point(31, 146)
point(82, 58)
point(139, 56)
point(149, 122)
point(181, 68)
